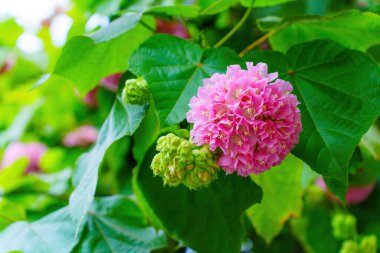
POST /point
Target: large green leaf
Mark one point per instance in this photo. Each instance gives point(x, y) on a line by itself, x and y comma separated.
point(174, 69)
point(87, 59)
point(207, 220)
point(361, 33)
point(339, 91)
point(123, 120)
point(10, 212)
point(282, 188)
point(52, 234)
point(116, 224)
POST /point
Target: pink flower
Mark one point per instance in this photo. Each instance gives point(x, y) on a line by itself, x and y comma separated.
point(172, 27)
point(250, 115)
point(111, 82)
point(354, 195)
point(83, 136)
point(33, 151)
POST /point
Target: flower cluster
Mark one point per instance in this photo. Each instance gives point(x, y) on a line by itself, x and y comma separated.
point(180, 162)
point(250, 115)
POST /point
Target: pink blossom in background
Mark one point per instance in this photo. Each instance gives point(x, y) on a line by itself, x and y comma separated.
point(83, 136)
point(175, 28)
point(33, 151)
point(111, 82)
point(249, 114)
point(90, 99)
point(354, 195)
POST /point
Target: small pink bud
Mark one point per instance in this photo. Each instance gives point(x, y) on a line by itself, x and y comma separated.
point(90, 99)
point(33, 151)
point(175, 28)
point(83, 136)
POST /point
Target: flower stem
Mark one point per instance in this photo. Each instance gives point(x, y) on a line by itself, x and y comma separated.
point(262, 39)
point(236, 27)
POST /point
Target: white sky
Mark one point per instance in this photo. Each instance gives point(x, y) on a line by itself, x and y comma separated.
point(30, 14)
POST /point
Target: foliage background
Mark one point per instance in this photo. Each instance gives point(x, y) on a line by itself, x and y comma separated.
point(104, 198)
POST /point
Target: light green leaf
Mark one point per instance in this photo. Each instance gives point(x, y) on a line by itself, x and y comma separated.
point(10, 212)
point(339, 91)
point(52, 234)
point(175, 10)
point(10, 32)
point(263, 3)
point(19, 124)
point(116, 224)
point(87, 59)
point(123, 120)
point(207, 220)
point(217, 6)
point(174, 69)
point(282, 198)
point(361, 33)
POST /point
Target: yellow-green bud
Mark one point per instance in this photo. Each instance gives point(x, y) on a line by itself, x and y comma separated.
point(350, 247)
point(344, 226)
point(368, 244)
point(136, 92)
point(178, 161)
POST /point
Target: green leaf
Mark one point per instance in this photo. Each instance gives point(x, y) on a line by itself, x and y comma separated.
point(10, 212)
point(19, 124)
point(263, 3)
point(314, 230)
point(123, 120)
point(116, 224)
point(267, 218)
point(87, 59)
point(174, 69)
point(217, 6)
point(52, 234)
point(361, 33)
point(10, 32)
point(215, 213)
point(189, 11)
point(338, 89)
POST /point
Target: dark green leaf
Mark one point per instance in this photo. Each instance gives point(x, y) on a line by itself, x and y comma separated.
point(339, 91)
point(174, 69)
point(263, 3)
point(217, 6)
point(215, 213)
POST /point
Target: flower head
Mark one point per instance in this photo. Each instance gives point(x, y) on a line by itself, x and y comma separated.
point(250, 115)
point(33, 151)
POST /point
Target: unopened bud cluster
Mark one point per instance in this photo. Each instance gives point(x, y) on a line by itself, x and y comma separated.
point(180, 162)
point(368, 244)
point(136, 92)
point(344, 226)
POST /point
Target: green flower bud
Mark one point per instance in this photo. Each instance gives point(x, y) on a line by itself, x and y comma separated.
point(344, 226)
point(178, 161)
point(368, 244)
point(350, 247)
point(136, 92)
